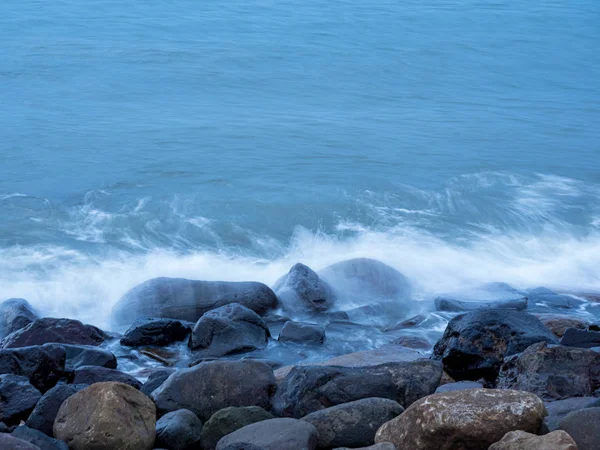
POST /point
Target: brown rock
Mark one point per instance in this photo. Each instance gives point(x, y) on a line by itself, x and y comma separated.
point(520, 440)
point(558, 325)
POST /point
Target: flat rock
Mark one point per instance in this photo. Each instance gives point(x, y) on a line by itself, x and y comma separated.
point(520, 440)
point(43, 415)
point(302, 290)
point(38, 438)
point(583, 427)
point(159, 332)
point(96, 374)
point(302, 332)
point(8, 442)
point(228, 420)
point(455, 305)
point(51, 330)
point(580, 338)
point(15, 313)
point(17, 398)
point(44, 364)
point(178, 430)
point(273, 434)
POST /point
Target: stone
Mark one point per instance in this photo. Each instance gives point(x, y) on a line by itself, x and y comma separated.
point(353, 424)
point(96, 374)
point(228, 420)
point(558, 409)
point(302, 333)
point(583, 427)
point(38, 438)
point(382, 446)
point(178, 430)
point(88, 355)
point(188, 300)
point(459, 386)
point(8, 442)
point(558, 325)
point(156, 378)
point(44, 364)
point(545, 297)
point(301, 290)
point(470, 420)
point(155, 332)
point(455, 305)
point(211, 386)
point(408, 323)
point(17, 398)
point(51, 330)
point(107, 416)
point(228, 330)
point(273, 434)
point(475, 344)
point(413, 342)
point(520, 440)
point(580, 338)
point(307, 389)
point(15, 313)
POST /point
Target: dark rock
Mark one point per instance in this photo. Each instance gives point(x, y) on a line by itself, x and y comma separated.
point(545, 297)
point(455, 305)
point(593, 327)
point(228, 420)
point(178, 298)
point(274, 434)
point(208, 387)
point(178, 430)
point(583, 427)
point(227, 330)
point(88, 355)
point(44, 413)
point(302, 332)
point(301, 290)
point(558, 325)
point(520, 440)
point(382, 446)
point(4, 428)
point(8, 442)
point(107, 416)
point(155, 332)
point(96, 374)
point(307, 389)
point(15, 313)
point(44, 364)
point(38, 438)
point(336, 315)
point(580, 338)
point(552, 372)
point(17, 398)
point(474, 344)
point(557, 410)
point(413, 342)
point(156, 378)
point(353, 424)
point(161, 354)
point(61, 331)
point(458, 386)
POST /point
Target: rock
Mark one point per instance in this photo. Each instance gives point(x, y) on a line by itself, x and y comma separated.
point(15, 313)
point(178, 430)
point(228, 420)
point(208, 387)
point(301, 290)
point(88, 355)
point(558, 409)
point(8, 442)
point(307, 389)
point(155, 332)
point(161, 354)
point(274, 434)
point(455, 305)
point(60, 331)
point(558, 325)
point(107, 416)
point(520, 440)
point(38, 438)
point(17, 398)
point(583, 427)
point(156, 378)
point(44, 364)
point(44, 413)
point(382, 446)
point(474, 344)
point(95, 374)
point(580, 338)
point(459, 386)
point(353, 424)
point(336, 315)
point(545, 297)
point(302, 332)
point(479, 417)
point(413, 342)
point(188, 300)
point(408, 323)
point(552, 372)
point(227, 330)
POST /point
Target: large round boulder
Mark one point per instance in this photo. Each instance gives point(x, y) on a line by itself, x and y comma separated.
point(584, 427)
point(228, 420)
point(274, 434)
point(520, 440)
point(17, 398)
point(43, 415)
point(155, 332)
point(301, 290)
point(178, 430)
point(15, 313)
point(60, 331)
point(44, 364)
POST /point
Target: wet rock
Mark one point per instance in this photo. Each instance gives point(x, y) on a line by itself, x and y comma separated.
point(307, 389)
point(95, 374)
point(15, 313)
point(44, 365)
point(474, 344)
point(353, 424)
point(188, 300)
point(161, 354)
point(520, 440)
point(552, 372)
point(50, 330)
point(155, 332)
point(43, 415)
point(479, 417)
point(382, 446)
point(38, 438)
point(156, 378)
point(302, 333)
point(455, 305)
point(107, 416)
point(228, 420)
point(558, 409)
point(211, 386)
point(17, 398)
point(227, 330)
point(583, 427)
point(8, 442)
point(413, 342)
point(301, 290)
point(545, 297)
point(408, 323)
point(274, 434)
point(458, 386)
point(558, 325)
point(178, 430)
point(580, 338)
point(88, 355)
point(336, 315)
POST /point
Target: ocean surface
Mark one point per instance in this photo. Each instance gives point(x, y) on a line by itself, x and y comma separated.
point(456, 140)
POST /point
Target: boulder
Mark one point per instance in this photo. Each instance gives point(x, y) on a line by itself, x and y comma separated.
point(583, 427)
point(210, 386)
point(8, 442)
point(552, 372)
point(472, 419)
point(156, 378)
point(542, 297)
point(558, 409)
point(227, 330)
point(307, 389)
point(17, 398)
point(520, 440)
point(459, 386)
point(580, 338)
point(15, 313)
point(178, 430)
point(188, 300)
point(474, 344)
point(96, 374)
point(44, 364)
point(558, 325)
point(43, 415)
point(155, 332)
point(301, 290)
point(38, 438)
point(302, 333)
point(454, 305)
point(88, 355)
point(60, 331)
point(107, 416)
point(273, 434)
point(228, 420)
point(353, 424)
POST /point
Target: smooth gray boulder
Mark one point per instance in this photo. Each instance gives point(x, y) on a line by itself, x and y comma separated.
point(15, 313)
point(178, 430)
point(228, 420)
point(584, 427)
point(159, 332)
point(558, 409)
point(38, 438)
point(87, 355)
point(17, 398)
point(274, 434)
point(45, 411)
point(52, 330)
point(456, 305)
point(304, 333)
point(302, 290)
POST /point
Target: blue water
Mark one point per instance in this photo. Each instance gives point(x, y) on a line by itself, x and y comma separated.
point(457, 140)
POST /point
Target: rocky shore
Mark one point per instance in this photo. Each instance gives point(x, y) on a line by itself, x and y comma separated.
point(343, 358)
